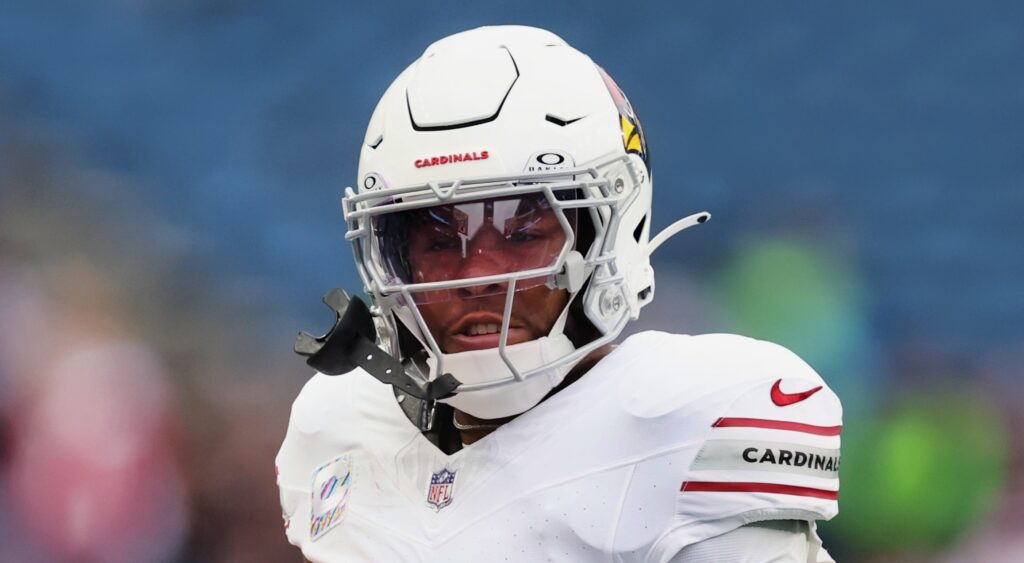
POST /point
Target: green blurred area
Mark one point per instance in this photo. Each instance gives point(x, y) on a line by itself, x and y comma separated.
point(809, 296)
point(919, 475)
point(923, 475)
point(798, 293)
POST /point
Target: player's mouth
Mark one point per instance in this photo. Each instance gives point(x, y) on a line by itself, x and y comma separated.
point(480, 331)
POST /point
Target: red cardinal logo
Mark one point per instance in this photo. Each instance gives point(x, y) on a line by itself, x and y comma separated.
point(784, 399)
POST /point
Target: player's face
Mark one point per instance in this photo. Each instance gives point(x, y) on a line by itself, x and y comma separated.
point(482, 239)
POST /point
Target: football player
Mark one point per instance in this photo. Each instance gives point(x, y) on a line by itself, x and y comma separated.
point(477, 410)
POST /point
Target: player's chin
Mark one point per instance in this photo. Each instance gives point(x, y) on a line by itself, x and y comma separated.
point(455, 343)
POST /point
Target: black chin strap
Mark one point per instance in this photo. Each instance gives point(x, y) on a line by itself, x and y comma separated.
point(351, 343)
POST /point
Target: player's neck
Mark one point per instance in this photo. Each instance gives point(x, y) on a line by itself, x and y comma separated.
point(472, 429)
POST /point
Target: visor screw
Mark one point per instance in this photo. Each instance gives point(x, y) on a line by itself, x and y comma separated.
point(610, 304)
point(619, 185)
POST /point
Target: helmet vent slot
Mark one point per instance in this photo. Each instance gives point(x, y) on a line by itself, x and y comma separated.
point(460, 89)
point(561, 122)
point(639, 230)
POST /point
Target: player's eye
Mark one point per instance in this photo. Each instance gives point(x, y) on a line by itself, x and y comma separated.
point(524, 236)
point(441, 243)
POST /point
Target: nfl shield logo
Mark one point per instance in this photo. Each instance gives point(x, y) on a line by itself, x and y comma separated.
point(439, 495)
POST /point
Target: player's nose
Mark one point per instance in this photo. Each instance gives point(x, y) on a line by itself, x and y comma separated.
point(484, 257)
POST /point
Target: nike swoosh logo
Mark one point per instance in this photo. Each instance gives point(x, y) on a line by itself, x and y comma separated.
point(785, 399)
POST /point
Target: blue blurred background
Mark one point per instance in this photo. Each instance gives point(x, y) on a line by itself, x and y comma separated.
point(169, 178)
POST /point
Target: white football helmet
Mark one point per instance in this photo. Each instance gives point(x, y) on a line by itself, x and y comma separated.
point(500, 126)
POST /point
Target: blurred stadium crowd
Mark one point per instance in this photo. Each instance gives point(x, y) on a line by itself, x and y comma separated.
point(140, 410)
point(167, 176)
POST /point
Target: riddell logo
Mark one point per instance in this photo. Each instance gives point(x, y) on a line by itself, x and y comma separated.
point(451, 159)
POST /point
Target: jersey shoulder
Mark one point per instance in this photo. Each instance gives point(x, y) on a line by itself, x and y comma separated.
point(331, 417)
point(759, 427)
point(720, 374)
point(338, 413)
point(319, 406)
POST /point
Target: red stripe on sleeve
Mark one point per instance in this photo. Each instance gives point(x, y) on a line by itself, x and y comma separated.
point(723, 487)
point(777, 425)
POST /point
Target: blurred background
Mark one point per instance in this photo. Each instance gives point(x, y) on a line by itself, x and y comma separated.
point(170, 172)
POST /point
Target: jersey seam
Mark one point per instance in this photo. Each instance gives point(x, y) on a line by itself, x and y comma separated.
point(634, 461)
point(618, 513)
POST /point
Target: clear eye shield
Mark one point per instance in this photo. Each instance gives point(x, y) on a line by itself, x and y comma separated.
point(473, 241)
point(466, 238)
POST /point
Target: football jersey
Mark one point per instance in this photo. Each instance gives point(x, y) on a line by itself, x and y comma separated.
point(667, 441)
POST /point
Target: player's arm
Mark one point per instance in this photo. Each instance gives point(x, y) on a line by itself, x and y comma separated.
point(770, 451)
point(303, 451)
point(773, 541)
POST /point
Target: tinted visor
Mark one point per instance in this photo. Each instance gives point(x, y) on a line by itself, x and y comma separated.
point(470, 240)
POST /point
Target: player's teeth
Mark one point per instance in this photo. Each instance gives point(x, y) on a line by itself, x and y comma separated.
point(483, 328)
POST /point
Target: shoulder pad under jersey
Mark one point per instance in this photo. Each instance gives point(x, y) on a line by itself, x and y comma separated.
point(305, 446)
point(760, 425)
point(332, 415)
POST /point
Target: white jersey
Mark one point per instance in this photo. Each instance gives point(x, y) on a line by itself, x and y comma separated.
point(667, 441)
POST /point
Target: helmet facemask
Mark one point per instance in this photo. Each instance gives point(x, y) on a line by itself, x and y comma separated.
point(490, 133)
point(475, 245)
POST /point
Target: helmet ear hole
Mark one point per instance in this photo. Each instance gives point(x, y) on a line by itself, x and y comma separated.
point(408, 344)
point(585, 233)
point(578, 327)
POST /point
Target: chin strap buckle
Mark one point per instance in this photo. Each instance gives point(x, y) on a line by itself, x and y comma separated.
point(573, 274)
point(351, 343)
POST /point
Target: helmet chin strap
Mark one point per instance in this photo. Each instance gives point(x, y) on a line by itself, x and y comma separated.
point(487, 365)
point(481, 366)
point(350, 345)
point(675, 228)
